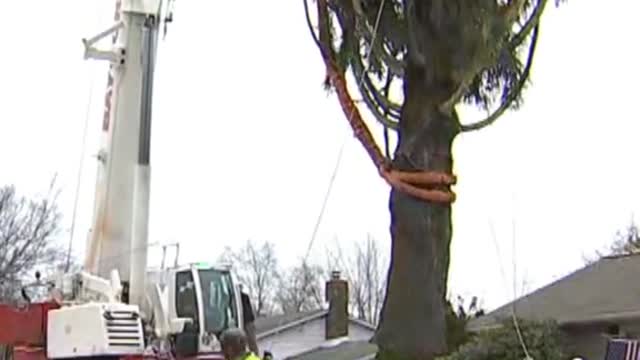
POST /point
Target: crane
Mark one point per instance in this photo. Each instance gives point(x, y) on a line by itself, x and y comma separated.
point(116, 307)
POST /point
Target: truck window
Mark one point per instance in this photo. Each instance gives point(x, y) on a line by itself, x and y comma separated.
point(186, 298)
point(218, 300)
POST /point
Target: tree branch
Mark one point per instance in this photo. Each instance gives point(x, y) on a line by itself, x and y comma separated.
point(508, 16)
point(512, 11)
point(381, 99)
point(396, 66)
point(513, 95)
point(377, 104)
point(366, 32)
point(385, 90)
point(337, 79)
point(531, 23)
point(27, 228)
point(309, 24)
point(368, 99)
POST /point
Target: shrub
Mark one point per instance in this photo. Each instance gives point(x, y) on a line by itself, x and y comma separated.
point(543, 340)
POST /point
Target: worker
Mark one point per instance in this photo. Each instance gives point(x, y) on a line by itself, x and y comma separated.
point(249, 319)
point(234, 345)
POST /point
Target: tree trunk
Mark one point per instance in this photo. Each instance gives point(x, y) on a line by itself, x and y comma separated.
point(412, 321)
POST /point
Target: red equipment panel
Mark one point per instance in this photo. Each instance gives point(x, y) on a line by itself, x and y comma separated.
point(24, 325)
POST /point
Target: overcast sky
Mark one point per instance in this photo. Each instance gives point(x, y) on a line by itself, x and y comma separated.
point(245, 139)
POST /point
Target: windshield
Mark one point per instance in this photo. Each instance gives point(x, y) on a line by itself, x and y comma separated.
point(218, 300)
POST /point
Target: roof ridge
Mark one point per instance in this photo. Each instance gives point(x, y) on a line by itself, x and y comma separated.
point(302, 317)
point(588, 272)
point(550, 285)
point(618, 256)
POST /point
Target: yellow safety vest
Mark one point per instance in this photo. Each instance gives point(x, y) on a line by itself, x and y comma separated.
point(249, 356)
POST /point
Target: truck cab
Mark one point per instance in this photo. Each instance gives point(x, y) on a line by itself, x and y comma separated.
point(209, 298)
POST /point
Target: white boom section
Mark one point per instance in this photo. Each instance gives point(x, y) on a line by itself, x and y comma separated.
point(118, 239)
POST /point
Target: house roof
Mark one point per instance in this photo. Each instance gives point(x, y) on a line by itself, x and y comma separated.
point(266, 326)
point(607, 290)
point(348, 350)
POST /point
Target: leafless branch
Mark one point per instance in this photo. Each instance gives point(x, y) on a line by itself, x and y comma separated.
point(300, 289)
point(256, 268)
point(27, 236)
point(365, 271)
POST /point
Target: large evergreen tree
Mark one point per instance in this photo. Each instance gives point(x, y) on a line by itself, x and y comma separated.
point(443, 52)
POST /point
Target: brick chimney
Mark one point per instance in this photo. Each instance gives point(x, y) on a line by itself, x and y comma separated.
point(337, 295)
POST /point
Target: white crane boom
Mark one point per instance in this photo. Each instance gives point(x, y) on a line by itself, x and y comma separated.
point(118, 239)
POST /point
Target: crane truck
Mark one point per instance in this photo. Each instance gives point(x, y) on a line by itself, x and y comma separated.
point(115, 307)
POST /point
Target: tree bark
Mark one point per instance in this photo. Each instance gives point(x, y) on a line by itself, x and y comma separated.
point(412, 323)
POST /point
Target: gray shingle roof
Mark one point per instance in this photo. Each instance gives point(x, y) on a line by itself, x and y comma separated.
point(605, 290)
point(266, 325)
point(350, 350)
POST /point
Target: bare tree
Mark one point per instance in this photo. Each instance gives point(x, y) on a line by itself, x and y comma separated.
point(365, 271)
point(625, 242)
point(369, 282)
point(256, 268)
point(27, 237)
point(301, 288)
